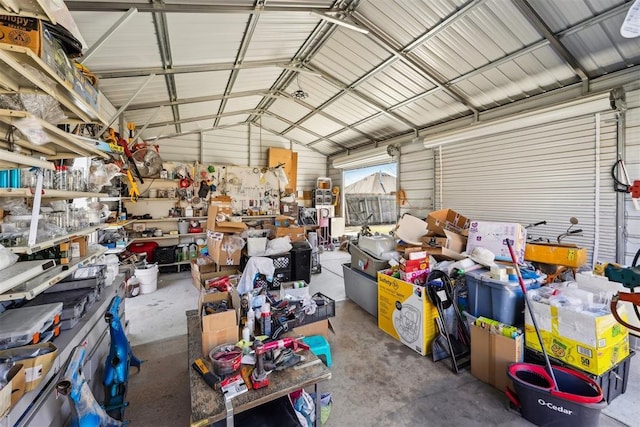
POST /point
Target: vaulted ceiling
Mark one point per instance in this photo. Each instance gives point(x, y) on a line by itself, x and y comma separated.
point(401, 66)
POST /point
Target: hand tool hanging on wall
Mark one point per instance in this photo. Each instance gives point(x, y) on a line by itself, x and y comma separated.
point(125, 146)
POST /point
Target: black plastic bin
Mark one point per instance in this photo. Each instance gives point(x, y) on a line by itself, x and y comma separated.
point(301, 260)
point(613, 382)
point(577, 401)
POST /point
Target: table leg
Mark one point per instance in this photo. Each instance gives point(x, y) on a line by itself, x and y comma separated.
point(229, 407)
point(317, 403)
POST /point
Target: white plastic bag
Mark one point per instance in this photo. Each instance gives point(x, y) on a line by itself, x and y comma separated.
point(7, 258)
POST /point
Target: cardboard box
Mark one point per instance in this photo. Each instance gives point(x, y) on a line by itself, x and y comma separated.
point(201, 273)
point(296, 234)
point(220, 328)
point(409, 265)
point(434, 242)
point(223, 226)
point(491, 355)
point(321, 327)
point(290, 209)
point(79, 247)
point(405, 313)
point(283, 221)
point(493, 236)
point(217, 246)
point(567, 255)
point(84, 88)
point(447, 219)
point(14, 390)
point(591, 344)
point(454, 244)
point(416, 277)
point(35, 368)
point(30, 33)
point(298, 289)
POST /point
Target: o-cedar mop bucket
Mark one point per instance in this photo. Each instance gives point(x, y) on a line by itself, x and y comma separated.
point(577, 401)
point(552, 395)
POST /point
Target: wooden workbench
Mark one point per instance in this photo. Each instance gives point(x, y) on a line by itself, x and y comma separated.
point(208, 406)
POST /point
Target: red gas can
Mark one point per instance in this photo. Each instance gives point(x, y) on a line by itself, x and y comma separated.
point(144, 247)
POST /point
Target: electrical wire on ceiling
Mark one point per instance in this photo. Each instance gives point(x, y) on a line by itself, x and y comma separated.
point(299, 94)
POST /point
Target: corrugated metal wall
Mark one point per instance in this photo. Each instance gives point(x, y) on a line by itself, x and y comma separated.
point(243, 146)
point(632, 162)
point(416, 175)
point(547, 172)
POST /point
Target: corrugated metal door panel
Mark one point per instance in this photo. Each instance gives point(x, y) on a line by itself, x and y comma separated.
point(416, 180)
point(542, 173)
point(632, 163)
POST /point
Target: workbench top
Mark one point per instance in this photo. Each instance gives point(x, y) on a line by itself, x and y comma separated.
point(207, 405)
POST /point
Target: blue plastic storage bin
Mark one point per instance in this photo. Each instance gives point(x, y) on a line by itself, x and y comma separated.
point(501, 301)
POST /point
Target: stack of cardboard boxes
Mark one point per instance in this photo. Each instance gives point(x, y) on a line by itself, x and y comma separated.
point(222, 233)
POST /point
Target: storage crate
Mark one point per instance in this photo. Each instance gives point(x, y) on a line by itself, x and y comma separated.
point(324, 311)
point(613, 382)
point(366, 262)
point(501, 301)
point(85, 277)
point(361, 289)
point(301, 261)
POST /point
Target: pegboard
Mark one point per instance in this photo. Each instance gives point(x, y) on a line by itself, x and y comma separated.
point(251, 188)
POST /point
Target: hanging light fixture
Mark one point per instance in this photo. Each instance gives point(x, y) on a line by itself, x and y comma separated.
point(299, 94)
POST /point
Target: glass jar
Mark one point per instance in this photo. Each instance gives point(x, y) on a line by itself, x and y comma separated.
point(60, 179)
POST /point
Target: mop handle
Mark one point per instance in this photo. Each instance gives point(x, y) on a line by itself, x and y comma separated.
point(533, 317)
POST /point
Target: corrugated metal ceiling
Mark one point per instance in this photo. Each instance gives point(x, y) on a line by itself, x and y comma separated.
point(422, 63)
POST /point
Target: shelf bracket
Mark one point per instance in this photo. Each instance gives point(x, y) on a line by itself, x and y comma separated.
point(35, 212)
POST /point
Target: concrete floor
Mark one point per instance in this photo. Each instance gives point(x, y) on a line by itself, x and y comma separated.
point(377, 381)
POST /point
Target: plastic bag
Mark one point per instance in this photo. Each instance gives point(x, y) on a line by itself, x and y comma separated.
point(278, 245)
point(7, 258)
point(100, 175)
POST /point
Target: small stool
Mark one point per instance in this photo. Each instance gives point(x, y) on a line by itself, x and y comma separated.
point(320, 347)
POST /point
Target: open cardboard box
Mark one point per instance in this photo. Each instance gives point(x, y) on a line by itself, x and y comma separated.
point(220, 328)
point(223, 226)
point(216, 245)
point(35, 368)
point(447, 219)
point(491, 355)
point(14, 390)
point(201, 273)
point(450, 249)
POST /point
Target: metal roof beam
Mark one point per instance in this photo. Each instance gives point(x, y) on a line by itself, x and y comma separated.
point(187, 7)
point(345, 125)
point(275, 132)
point(242, 51)
point(107, 35)
point(162, 35)
point(385, 41)
point(186, 69)
point(189, 132)
point(202, 118)
point(536, 22)
point(293, 125)
point(183, 101)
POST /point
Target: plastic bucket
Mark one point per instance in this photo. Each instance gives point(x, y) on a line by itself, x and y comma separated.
point(578, 400)
point(148, 278)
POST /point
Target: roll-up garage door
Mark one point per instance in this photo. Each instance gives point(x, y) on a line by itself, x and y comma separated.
point(416, 180)
point(548, 172)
